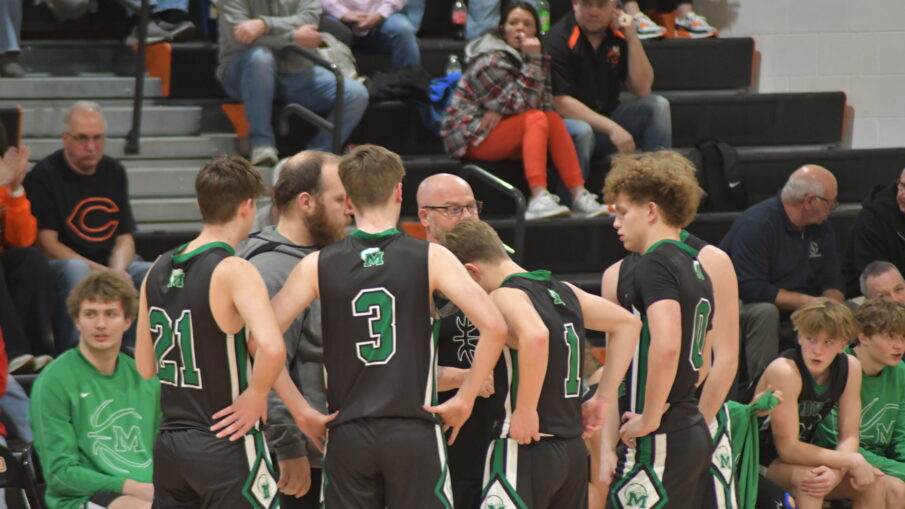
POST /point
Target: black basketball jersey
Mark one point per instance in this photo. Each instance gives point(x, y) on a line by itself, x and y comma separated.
point(457, 338)
point(201, 368)
point(379, 344)
point(668, 270)
point(559, 406)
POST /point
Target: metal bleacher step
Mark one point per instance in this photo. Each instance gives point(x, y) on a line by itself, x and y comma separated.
point(155, 121)
point(152, 147)
point(76, 87)
point(159, 182)
point(165, 210)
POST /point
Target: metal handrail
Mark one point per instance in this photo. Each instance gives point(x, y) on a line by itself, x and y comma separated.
point(291, 109)
point(510, 190)
point(134, 136)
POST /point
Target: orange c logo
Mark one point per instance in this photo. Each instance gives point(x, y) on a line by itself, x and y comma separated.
point(77, 219)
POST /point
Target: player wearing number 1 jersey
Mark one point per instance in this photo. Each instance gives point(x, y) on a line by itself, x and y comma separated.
point(539, 460)
point(385, 447)
point(198, 302)
point(665, 453)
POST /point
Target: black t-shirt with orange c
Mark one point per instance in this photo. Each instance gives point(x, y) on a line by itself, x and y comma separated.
point(87, 211)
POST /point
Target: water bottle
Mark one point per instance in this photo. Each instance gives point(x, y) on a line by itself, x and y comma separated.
point(453, 65)
point(543, 12)
point(459, 17)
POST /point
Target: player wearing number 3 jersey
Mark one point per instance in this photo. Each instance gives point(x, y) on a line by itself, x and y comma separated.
point(385, 447)
point(198, 302)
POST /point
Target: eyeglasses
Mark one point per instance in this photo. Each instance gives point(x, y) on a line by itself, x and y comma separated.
point(83, 139)
point(832, 203)
point(457, 210)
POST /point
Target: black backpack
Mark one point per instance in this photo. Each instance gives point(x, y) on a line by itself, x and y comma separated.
point(719, 176)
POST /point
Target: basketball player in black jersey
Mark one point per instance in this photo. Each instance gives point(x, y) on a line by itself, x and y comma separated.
point(443, 201)
point(666, 447)
point(813, 377)
point(197, 304)
point(539, 460)
point(725, 350)
point(386, 449)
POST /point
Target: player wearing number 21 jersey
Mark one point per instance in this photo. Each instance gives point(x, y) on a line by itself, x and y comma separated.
point(197, 304)
point(385, 446)
point(539, 460)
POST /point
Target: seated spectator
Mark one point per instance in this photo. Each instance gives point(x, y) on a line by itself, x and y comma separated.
point(502, 109)
point(254, 70)
point(689, 25)
point(80, 197)
point(168, 21)
point(882, 280)
point(25, 284)
point(814, 377)
point(95, 417)
point(378, 24)
point(10, 33)
point(879, 349)
point(784, 253)
point(593, 56)
point(878, 232)
point(483, 15)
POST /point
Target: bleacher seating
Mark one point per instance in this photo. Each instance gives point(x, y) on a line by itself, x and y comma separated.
point(707, 82)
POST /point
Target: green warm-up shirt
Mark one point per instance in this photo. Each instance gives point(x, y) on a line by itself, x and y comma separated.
point(93, 431)
point(882, 420)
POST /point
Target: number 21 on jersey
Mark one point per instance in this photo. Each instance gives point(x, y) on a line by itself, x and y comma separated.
point(169, 335)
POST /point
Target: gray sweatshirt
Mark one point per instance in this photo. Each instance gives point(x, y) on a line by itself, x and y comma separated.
point(275, 256)
point(282, 18)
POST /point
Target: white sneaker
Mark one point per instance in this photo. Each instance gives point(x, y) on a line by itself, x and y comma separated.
point(585, 203)
point(695, 26)
point(545, 205)
point(646, 28)
point(264, 155)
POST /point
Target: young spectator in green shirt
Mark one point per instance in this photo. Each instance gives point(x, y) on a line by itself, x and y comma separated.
point(879, 348)
point(94, 416)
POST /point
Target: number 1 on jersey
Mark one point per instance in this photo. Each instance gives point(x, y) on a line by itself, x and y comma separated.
point(166, 338)
point(572, 381)
point(379, 306)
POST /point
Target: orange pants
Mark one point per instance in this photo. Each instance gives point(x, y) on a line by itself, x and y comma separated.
point(529, 136)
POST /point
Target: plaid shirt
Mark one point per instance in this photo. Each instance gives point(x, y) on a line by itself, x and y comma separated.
point(494, 81)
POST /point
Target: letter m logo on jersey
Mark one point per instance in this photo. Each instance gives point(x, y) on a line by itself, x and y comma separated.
point(371, 257)
point(177, 279)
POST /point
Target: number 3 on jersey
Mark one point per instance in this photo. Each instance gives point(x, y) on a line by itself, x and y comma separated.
point(167, 337)
point(379, 306)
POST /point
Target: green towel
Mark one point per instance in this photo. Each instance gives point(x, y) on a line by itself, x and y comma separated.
point(746, 444)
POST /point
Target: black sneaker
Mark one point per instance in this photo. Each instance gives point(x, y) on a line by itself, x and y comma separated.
point(178, 31)
point(9, 66)
point(154, 35)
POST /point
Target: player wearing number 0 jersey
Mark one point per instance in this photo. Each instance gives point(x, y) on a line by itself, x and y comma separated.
point(386, 449)
point(197, 304)
point(664, 456)
point(539, 460)
point(719, 378)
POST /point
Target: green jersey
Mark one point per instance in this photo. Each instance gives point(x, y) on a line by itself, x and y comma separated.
point(882, 433)
point(93, 431)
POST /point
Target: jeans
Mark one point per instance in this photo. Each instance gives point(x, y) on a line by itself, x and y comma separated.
point(646, 118)
point(10, 25)
point(395, 36)
point(68, 272)
point(482, 15)
point(15, 405)
point(252, 77)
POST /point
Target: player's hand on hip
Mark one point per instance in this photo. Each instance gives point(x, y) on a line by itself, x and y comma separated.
point(525, 426)
point(295, 476)
point(453, 413)
point(314, 425)
point(236, 419)
point(639, 425)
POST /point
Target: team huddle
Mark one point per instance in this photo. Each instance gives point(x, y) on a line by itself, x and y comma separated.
point(514, 424)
